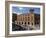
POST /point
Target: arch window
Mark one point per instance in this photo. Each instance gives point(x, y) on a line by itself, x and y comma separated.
point(28, 22)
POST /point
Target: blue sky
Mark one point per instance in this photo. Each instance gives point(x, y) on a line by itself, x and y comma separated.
point(23, 10)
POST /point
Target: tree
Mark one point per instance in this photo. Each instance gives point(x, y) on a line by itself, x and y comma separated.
point(31, 10)
point(14, 17)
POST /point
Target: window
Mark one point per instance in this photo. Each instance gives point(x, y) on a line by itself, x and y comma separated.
point(28, 22)
point(25, 18)
point(28, 18)
point(22, 22)
point(25, 22)
point(32, 23)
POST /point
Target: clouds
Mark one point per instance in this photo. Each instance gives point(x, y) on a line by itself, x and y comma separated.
point(22, 10)
point(37, 10)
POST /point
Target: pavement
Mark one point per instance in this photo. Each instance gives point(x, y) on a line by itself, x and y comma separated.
point(16, 27)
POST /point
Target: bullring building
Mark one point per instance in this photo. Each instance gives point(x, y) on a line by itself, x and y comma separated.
point(25, 19)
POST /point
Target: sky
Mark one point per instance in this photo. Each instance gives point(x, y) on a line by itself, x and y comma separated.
point(24, 10)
